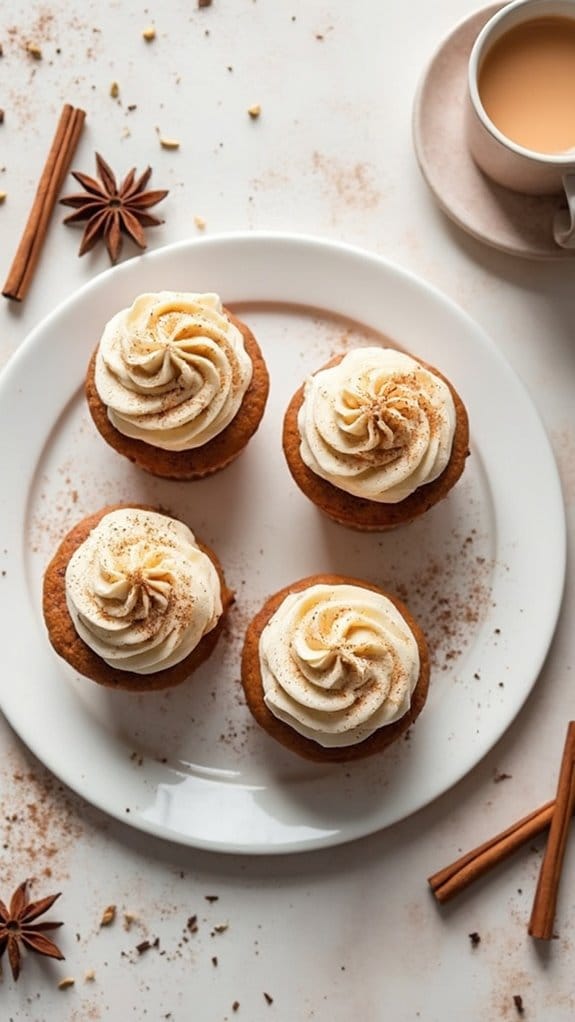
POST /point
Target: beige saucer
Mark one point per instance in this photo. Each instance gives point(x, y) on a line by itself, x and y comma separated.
point(518, 224)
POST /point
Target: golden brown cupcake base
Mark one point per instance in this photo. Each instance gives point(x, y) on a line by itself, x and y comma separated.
point(68, 644)
point(200, 461)
point(369, 515)
point(286, 735)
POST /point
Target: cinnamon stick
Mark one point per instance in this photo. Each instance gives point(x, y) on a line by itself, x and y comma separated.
point(545, 902)
point(453, 879)
point(56, 167)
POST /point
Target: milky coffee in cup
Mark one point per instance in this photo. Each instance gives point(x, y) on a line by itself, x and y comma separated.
point(527, 84)
point(520, 105)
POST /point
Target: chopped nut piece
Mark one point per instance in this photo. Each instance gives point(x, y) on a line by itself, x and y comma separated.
point(204, 3)
point(475, 939)
point(169, 143)
point(129, 919)
point(108, 915)
point(89, 976)
point(220, 928)
point(268, 998)
point(208, 897)
point(1, 50)
point(68, 981)
point(3, 196)
point(114, 90)
point(143, 947)
point(1, 115)
point(518, 1002)
point(34, 50)
point(254, 111)
point(215, 961)
point(235, 1005)
point(201, 225)
point(149, 33)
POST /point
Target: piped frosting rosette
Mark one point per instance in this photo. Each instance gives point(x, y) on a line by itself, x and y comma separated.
point(377, 424)
point(172, 370)
point(338, 663)
point(140, 592)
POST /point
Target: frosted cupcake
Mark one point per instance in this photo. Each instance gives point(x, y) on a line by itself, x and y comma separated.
point(132, 600)
point(376, 438)
point(335, 669)
point(177, 384)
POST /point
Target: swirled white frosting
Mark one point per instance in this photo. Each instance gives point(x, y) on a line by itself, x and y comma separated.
point(377, 425)
point(140, 592)
point(172, 369)
point(337, 663)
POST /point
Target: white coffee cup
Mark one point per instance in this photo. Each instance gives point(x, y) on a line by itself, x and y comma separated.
point(501, 159)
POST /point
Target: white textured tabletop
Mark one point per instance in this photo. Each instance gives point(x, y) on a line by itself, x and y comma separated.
point(350, 932)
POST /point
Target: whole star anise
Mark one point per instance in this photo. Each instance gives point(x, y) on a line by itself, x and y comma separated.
point(112, 210)
point(18, 927)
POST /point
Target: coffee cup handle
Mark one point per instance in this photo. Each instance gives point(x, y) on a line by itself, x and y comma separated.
point(564, 219)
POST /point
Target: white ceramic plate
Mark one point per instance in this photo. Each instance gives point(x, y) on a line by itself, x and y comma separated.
point(481, 574)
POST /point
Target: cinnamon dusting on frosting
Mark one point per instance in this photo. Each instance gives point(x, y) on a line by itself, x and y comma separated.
point(172, 370)
point(140, 592)
point(337, 663)
point(376, 424)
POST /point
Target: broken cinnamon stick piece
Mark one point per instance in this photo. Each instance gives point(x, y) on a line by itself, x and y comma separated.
point(545, 902)
point(56, 167)
point(453, 879)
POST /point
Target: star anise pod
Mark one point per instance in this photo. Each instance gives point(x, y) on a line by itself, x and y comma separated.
point(112, 210)
point(18, 928)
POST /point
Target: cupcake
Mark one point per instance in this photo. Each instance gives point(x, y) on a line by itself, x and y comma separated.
point(376, 438)
point(334, 669)
point(177, 384)
point(132, 600)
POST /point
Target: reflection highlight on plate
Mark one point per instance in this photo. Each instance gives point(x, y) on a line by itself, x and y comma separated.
point(173, 806)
